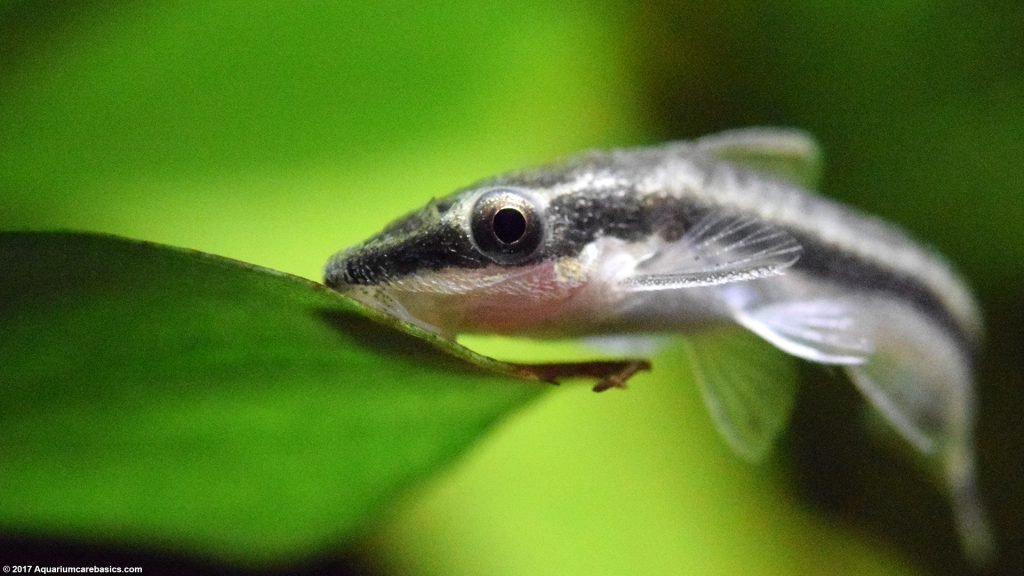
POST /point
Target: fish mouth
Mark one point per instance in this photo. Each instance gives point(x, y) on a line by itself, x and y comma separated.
point(338, 271)
point(331, 277)
point(334, 282)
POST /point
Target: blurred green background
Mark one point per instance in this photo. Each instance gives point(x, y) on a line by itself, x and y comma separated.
point(279, 132)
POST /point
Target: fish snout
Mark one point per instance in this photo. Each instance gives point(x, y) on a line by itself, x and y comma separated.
point(343, 270)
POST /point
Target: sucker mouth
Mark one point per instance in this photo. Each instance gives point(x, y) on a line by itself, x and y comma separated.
point(337, 272)
point(332, 280)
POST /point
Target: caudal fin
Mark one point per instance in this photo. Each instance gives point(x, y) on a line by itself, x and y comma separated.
point(919, 378)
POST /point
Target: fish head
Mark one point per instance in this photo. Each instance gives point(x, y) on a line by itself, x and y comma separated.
point(482, 260)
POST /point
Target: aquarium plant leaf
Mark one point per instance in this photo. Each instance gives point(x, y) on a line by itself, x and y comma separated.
point(169, 398)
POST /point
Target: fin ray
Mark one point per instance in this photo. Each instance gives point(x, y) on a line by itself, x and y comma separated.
point(718, 249)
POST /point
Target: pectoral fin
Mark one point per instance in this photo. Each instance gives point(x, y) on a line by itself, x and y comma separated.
point(786, 153)
point(748, 386)
point(718, 249)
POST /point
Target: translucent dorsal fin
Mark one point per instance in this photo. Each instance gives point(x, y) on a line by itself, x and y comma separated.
point(748, 386)
point(787, 153)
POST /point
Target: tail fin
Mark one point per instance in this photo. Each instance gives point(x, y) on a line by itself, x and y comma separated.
point(919, 378)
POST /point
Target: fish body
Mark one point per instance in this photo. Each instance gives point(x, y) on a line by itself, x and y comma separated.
point(721, 235)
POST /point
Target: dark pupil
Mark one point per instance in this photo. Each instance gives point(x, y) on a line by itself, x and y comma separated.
point(509, 225)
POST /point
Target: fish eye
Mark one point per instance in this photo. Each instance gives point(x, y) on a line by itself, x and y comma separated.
point(506, 225)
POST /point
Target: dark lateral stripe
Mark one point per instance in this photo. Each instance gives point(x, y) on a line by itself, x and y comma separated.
point(848, 270)
point(579, 219)
point(575, 220)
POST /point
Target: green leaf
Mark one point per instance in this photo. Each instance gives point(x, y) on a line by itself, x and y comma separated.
point(177, 399)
